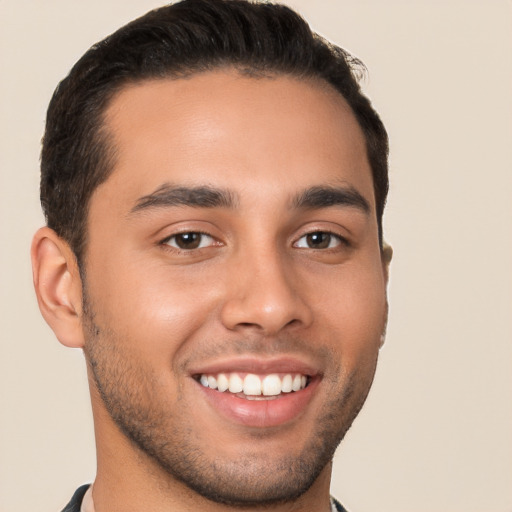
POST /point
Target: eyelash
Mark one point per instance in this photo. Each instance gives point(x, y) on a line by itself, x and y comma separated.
point(340, 240)
point(165, 241)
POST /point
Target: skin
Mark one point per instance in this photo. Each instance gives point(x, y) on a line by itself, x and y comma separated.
point(150, 314)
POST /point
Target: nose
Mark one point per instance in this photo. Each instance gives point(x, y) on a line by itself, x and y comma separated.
point(265, 295)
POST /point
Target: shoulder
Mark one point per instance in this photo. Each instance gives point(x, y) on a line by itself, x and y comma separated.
point(76, 500)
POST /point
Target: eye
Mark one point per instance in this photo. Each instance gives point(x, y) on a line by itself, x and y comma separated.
point(189, 240)
point(319, 240)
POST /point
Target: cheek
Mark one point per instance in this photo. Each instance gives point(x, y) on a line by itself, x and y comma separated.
point(354, 310)
point(153, 306)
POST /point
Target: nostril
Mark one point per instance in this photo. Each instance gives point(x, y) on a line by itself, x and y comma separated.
point(264, 305)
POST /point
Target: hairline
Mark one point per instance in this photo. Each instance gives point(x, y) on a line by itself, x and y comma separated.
point(104, 137)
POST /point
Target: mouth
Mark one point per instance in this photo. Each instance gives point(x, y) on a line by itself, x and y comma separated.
point(256, 393)
point(251, 386)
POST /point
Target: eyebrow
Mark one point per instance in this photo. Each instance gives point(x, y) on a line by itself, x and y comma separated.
point(328, 196)
point(196, 197)
point(206, 196)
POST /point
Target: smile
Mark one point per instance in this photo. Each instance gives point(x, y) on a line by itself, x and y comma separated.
point(255, 387)
point(257, 392)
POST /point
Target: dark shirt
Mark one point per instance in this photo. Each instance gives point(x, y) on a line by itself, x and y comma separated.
point(76, 501)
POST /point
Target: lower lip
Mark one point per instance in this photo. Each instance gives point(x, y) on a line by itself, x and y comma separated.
point(261, 413)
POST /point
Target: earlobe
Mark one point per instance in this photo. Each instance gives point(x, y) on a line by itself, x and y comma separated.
point(58, 286)
point(385, 327)
point(386, 256)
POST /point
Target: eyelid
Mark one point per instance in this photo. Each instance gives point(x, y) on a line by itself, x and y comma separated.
point(341, 240)
point(165, 241)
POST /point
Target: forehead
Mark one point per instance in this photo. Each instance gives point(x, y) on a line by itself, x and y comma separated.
point(235, 131)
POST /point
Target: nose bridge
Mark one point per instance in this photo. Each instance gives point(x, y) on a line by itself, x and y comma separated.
point(263, 293)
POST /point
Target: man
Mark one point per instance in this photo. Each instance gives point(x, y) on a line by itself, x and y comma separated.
point(213, 182)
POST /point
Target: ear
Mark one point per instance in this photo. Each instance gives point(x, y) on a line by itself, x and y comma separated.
point(58, 286)
point(386, 256)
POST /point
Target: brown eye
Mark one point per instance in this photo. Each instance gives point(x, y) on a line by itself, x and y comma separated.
point(189, 241)
point(318, 240)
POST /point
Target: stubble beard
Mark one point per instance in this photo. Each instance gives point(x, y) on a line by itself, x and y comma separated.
point(130, 394)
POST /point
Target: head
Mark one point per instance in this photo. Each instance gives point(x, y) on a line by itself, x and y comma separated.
point(177, 41)
point(218, 178)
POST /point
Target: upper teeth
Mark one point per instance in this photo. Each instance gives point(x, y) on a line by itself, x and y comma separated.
point(251, 384)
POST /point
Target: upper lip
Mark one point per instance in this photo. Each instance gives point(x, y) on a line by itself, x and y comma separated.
point(257, 365)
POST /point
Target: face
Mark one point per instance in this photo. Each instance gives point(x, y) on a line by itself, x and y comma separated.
point(234, 287)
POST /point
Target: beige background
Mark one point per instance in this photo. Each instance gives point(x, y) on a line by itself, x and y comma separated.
point(436, 433)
